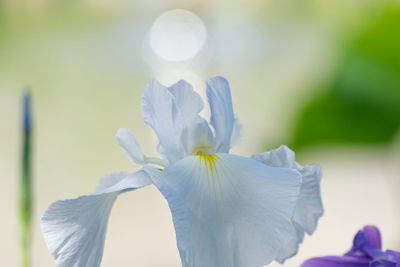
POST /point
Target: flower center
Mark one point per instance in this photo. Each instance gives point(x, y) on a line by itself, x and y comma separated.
point(202, 150)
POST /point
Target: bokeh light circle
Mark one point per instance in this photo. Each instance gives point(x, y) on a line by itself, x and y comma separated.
point(177, 35)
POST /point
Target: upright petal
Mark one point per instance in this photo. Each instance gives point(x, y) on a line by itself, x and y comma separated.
point(187, 100)
point(237, 132)
point(197, 137)
point(222, 117)
point(130, 145)
point(374, 236)
point(74, 229)
point(229, 210)
point(168, 111)
point(161, 113)
point(309, 205)
point(367, 242)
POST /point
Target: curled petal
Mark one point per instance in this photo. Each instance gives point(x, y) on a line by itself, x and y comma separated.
point(130, 145)
point(74, 229)
point(281, 157)
point(309, 204)
point(222, 117)
point(229, 210)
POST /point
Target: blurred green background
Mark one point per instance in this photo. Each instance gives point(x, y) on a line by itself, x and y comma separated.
point(320, 76)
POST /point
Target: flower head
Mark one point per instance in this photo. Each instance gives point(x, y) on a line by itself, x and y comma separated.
point(366, 252)
point(227, 210)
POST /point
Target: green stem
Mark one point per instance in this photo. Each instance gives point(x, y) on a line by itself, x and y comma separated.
point(26, 192)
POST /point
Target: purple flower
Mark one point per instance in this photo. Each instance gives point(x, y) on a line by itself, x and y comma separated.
point(366, 252)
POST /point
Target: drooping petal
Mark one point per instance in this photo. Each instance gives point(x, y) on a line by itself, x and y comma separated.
point(74, 229)
point(130, 145)
point(309, 205)
point(337, 261)
point(394, 256)
point(382, 263)
point(187, 100)
point(229, 210)
point(168, 111)
point(222, 116)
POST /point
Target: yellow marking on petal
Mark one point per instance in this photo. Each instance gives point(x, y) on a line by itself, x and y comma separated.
point(209, 163)
point(223, 182)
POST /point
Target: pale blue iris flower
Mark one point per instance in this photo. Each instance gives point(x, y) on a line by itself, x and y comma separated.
point(228, 210)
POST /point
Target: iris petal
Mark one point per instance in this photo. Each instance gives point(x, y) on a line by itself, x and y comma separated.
point(161, 113)
point(367, 242)
point(130, 145)
point(309, 205)
point(394, 256)
point(74, 229)
point(229, 210)
point(187, 100)
point(168, 111)
point(222, 116)
point(382, 263)
point(374, 236)
point(197, 137)
point(337, 261)
point(237, 132)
